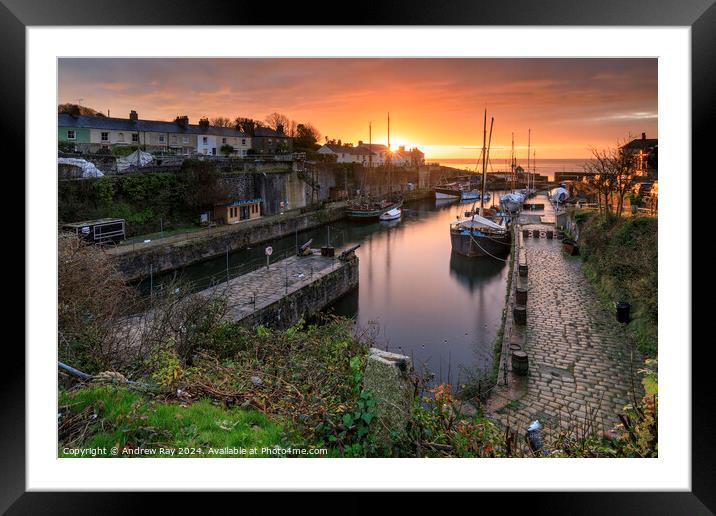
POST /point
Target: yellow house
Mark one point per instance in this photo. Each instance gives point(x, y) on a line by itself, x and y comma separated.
point(236, 211)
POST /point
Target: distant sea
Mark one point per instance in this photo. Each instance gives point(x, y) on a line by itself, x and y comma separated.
point(544, 166)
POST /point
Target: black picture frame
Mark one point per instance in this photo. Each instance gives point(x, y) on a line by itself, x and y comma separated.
point(700, 15)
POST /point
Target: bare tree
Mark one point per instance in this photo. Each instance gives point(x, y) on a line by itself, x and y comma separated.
point(611, 176)
point(599, 179)
point(247, 125)
point(278, 122)
point(624, 167)
point(92, 298)
point(221, 121)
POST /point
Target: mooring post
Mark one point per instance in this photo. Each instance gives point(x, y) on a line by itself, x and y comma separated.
point(388, 378)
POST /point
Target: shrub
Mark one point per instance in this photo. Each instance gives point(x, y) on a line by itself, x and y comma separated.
point(621, 256)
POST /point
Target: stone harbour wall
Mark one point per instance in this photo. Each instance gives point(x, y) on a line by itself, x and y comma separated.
point(136, 264)
point(307, 300)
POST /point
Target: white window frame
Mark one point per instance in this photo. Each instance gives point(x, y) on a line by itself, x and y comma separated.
point(135, 135)
point(102, 135)
point(185, 139)
point(74, 134)
point(162, 138)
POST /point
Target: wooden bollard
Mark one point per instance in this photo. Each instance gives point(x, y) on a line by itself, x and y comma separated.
point(549, 234)
point(520, 363)
point(535, 233)
point(522, 270)
point(521, 296)
point(519, 312)
point(526, 233)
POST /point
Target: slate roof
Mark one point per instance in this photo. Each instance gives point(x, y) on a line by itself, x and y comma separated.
point(125, 124)
point(268, 132)
point(343, 149)
point(641, 144)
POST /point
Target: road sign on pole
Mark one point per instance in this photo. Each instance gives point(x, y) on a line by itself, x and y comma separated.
point(269, 252)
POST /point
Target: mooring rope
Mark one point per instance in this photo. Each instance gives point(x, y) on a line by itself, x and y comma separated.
point(485, 251)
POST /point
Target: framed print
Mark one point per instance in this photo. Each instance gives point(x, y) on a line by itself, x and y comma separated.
point(416, 252)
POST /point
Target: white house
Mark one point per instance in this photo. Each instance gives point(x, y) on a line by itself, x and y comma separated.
point(347, 153)
point(206, 144)
point(405, 158)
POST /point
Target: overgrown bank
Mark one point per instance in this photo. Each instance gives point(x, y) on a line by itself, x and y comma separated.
point(143, 199)
point(200, 382)
point(620, 257)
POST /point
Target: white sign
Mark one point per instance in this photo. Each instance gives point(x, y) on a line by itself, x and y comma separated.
point(269, 251)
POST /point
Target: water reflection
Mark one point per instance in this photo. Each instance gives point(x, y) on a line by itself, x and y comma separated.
point(441, 309)
point(475, 273)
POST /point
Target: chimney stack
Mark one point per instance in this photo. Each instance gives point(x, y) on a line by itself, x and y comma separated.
point(643, 136)
point(133, 115)
point(204, 122)
point(360, 142)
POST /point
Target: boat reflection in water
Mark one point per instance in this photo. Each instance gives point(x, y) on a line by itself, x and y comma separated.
point(475, 273)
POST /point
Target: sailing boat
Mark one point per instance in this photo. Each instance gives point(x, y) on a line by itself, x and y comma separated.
point(512, 202)
point(482, 234)
point(367, 208)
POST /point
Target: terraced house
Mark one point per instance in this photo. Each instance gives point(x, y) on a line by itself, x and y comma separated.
point(92, 133)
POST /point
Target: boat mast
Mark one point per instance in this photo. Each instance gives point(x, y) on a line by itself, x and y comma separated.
point(529, 136)
point(390, 168)
point(484, 161)
point(370, 146)
point(484, 170)
point(512, 162)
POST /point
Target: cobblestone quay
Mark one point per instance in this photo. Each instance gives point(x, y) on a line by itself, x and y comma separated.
point(581, 371)
point(298, 286)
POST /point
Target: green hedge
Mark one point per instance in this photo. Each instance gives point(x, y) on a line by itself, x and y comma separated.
point(621, 258)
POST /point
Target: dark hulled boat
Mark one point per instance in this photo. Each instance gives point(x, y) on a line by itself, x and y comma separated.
point(485, 232)
point(367, 209)
point(479, 236)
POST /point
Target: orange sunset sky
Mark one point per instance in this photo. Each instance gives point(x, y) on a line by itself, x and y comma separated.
point(436, 104)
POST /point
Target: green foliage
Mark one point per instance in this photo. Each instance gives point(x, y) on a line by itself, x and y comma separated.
point(227, 149)
point(348, 433)
point(439, 429)
point(112, 416)
point(142, 199)
point(621, 259)
point(66, 147)
point(166, 368)
point(640, 421)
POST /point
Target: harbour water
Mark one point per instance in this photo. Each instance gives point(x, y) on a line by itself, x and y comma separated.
point(415, 296)
point(545, 167)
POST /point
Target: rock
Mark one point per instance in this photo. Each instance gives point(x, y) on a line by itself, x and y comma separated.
point(256, 380)
point(387, 378)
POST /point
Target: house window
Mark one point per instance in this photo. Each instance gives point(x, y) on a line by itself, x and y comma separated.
point(135, 137)
point(205, 140)
point(71, 135)
point(105, 137)
point(120, 137)
point(223, 140)
point(243, 141)
point(174, 139)
point(185, 139)
point(161, 138)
